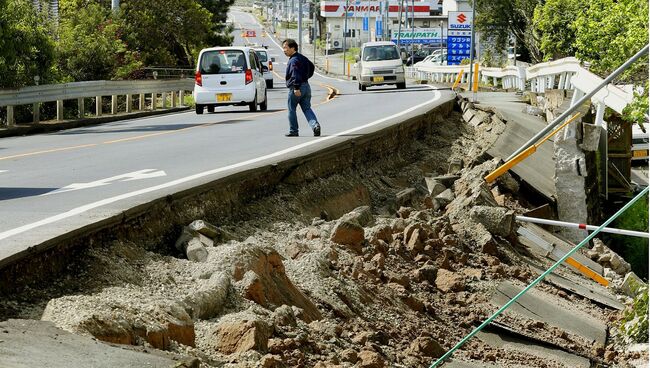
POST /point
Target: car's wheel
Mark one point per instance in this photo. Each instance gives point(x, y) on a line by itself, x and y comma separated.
point(363, 88)
point(253, 105)
point(401, 85)
point(269, 83)
point(210, 109)
point(199, 109)
point(265, 105)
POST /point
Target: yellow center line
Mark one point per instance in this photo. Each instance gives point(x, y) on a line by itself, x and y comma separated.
point(47, 151)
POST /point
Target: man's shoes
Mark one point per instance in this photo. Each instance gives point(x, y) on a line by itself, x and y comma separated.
point(291, 135)
point(317, 131)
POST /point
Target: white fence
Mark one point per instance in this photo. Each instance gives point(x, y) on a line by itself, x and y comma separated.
point(172, 90)
point(567, 74)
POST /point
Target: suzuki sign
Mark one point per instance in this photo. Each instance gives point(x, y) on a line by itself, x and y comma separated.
point(460, 21)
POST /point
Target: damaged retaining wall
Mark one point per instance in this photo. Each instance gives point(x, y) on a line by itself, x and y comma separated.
point(163, 219)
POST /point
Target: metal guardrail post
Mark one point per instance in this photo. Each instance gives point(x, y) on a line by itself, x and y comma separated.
point(129, 103)
point(11, 118)
point(174, 97)
point(164, 100)
point(181, 97)
point(586, 97)
point(81, 108)
point(154, 101)
point(141, 102)
point(98, 106)
point(113, 104)
point(59, 110)
point(37, 112)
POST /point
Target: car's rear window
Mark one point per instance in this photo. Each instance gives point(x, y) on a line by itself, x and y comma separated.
point(262, 55)
point(222, 62)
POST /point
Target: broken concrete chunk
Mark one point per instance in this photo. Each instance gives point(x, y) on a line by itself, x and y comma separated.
point(497, 220)
point(361, 215)
point(434, 186)
point(425, 346)
point(447, 180)
point(196, 251)
point(185, 237)
point(210, 298)
point(405, 197)
point(445, 197)
point(447, 281)
point(242, 336)
point(590, 137)
point(348, 233)
point(632, 284)
point(213, 232)
point(455, 166)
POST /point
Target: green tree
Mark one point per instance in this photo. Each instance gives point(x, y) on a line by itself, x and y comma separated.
point(220, 33)
point(609, 32)
point(26, 45)
point(89, 46)
point(166, 32)
point(501, 19)
point(554, 22)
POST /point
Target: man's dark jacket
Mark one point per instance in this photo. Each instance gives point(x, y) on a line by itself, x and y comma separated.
point(299, 69)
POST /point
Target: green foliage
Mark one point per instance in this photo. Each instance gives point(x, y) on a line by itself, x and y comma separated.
point(608, 32)
point(633, 250)
point(501, 19)
point(26, 47)
point(637, 110)
point(220, 34)
point(634, 320)
point(89, 46)
point(351, 54)
point(167, 32)
point(554, 20)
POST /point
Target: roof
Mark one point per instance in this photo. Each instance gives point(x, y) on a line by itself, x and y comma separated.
point(241, 48)
point(378, 43)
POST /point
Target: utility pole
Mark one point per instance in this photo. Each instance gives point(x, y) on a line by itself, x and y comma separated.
point(412, 31)
point(286, 20)
point(299, 25)
point(345, 31)
point(313, 28)
point(471, 50)
point(399, 27)
point(441, 39)
point(115, 5)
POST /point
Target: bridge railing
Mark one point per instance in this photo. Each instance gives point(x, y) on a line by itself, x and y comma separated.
point(567, 74)
point(170, 90)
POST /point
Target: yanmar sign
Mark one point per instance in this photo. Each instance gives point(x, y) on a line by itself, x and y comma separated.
point(460, 21)
point(357, 9)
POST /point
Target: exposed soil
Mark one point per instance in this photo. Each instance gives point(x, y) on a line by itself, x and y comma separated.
point(282, 292)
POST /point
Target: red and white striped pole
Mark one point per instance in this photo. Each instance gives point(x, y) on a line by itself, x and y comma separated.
point(534, 220)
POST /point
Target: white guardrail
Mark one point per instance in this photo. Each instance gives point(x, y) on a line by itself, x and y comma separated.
point(172, 90)
point(567, 74)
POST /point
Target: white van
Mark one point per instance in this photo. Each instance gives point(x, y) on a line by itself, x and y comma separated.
point(380, 63)
point(229, 76)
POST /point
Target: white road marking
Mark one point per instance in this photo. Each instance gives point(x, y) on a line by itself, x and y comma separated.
point(104, 202)
point(136, 175)
point(2, 171)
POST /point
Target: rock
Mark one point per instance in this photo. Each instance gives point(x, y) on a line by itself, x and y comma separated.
point(434, 186)
point(348, 233)
point(208, 300)
point(404, 212)
point(508, 183)
point(445, 197)
point(535, 111)
point(447, 180)
point(283, 316)
point(312, 233)
point(266, 283)
point(378, 261)
point(398, 278)
point(370, 359)
point(380, 232)
point(475, 274)
point(214, 233)
point(425, 346)
point(497, 220)
point(631, 284)
point(414, 244)
point(426, 273)
point(349, 355)
point(242, 336)
point(271, 361)
point(196, 251)
point(406, 197)
point(362, 215)
point(447, 281)
point(398, 226)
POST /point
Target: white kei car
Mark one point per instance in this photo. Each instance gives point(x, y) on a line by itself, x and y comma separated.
point(229, 76)
point(267, 65)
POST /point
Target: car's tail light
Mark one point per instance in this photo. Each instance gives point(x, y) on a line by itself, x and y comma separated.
point(270, 66)
point(198, 79)
point(249, 76)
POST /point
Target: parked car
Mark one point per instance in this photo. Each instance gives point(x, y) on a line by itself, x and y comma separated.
point(434, 59)
point(379, 64)
point(418, 55)
point(639, 142)
point(267, 65)
point(229, 76)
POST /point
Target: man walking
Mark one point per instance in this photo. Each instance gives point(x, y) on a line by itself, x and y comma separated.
point(299, 70)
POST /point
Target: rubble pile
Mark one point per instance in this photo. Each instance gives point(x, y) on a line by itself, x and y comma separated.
point(394, 283)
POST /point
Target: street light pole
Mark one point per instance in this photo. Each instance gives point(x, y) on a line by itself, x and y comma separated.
point(345, 32)
point(299, 25)
point(399, 27)
point(441, 39)
point(412, 30)
point(471, 49)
